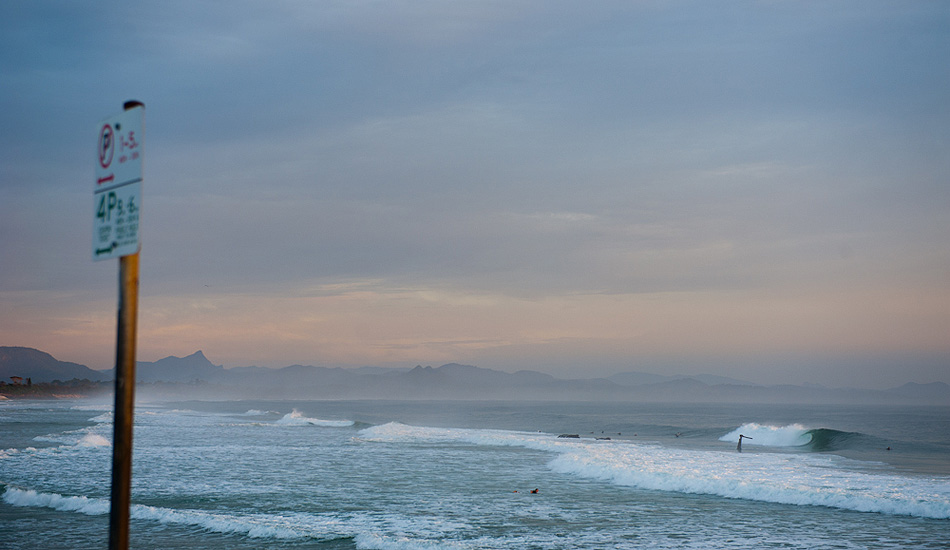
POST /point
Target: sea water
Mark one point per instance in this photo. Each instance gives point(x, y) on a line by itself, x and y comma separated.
point(473, 475)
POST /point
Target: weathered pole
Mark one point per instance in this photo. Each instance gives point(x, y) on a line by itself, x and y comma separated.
point(124, 396)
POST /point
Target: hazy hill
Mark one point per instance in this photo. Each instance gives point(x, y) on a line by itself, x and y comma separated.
point(174, 369)
point(642, 378)
point(40, 366)
point(929, 392)
point(198, 377)
point(178, 369)
point(294, 376)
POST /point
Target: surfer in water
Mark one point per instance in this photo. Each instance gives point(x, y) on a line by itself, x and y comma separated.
point(739, 446)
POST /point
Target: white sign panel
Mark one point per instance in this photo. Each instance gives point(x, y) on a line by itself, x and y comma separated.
point(118, 187)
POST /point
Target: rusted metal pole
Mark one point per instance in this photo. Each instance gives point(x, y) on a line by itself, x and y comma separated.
point(124, 397)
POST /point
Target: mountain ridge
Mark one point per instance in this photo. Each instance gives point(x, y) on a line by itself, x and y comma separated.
point(195, 373)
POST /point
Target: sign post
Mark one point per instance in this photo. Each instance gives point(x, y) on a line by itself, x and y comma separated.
point(118, 188)
point(118, 202)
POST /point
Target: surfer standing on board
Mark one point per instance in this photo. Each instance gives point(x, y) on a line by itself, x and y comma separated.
point(739, 446)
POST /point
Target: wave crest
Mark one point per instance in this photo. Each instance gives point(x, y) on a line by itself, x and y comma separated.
point(29, 497)
point(296, 418)
point(793, 435)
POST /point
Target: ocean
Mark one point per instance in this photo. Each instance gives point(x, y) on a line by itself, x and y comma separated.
point(393, 475)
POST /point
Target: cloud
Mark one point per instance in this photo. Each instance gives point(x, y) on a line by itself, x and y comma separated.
point(521, 181)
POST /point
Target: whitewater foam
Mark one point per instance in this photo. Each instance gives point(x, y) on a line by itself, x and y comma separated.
point(797, 479)
point(29, 497)
point(94, 440)
point(288, 526)
point(104, 418)
point(92, 407)
point(256, 412)
point(373, 541)
point(82, 437)
point(395, 432)
point(252, 526)
point(296, 418)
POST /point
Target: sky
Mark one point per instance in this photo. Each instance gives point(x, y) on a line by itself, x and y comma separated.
point(755, 189)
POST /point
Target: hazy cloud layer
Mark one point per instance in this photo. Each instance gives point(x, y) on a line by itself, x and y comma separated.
point(757, 189)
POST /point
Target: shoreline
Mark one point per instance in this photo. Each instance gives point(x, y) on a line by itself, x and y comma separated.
point(48, 391)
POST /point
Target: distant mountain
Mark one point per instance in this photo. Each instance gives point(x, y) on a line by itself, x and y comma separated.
point(714, 380)
point(934, 391)
point(377, 370)
point(455, 381)
point(40, 366)
point(294, 376)
point(642, 378)
point(451, 381)
point(195, 376)
point(178, 369)
point(175, 369)
point(455, 374)
point(637, 378)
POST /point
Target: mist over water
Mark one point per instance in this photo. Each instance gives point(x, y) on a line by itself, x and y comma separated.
point(381, 475)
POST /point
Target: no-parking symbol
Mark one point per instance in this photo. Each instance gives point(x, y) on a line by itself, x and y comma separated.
point(106, 145)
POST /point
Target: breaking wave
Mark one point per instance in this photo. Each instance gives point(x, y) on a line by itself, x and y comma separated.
point(252, 526)
point(83, 437)
point(296, 418)
point(794, 435)
point(83, 505)
point(363, 529)
point(257, 412)
point(797, 479)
